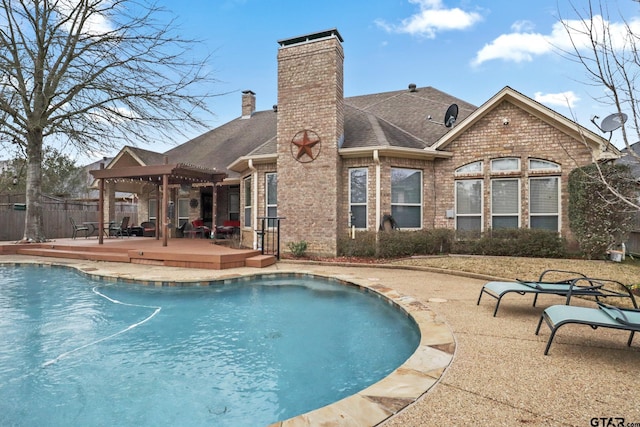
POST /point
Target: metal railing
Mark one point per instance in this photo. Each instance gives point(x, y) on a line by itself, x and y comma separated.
point(269, 235)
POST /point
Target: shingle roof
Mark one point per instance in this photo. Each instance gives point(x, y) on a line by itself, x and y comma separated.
point(394, 119)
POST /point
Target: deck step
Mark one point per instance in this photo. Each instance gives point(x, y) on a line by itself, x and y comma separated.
point(76, 254)
point(260, 261)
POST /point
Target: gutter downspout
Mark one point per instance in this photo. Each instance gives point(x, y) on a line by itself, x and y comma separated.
point(254, 202)
point(376, 160)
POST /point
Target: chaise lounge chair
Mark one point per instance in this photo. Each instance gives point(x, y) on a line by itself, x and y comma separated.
point(604, 316)
point(578, 284)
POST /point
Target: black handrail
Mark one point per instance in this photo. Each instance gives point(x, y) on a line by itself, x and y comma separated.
point(269, 234)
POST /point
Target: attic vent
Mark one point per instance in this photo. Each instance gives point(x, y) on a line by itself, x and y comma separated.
point(412, 87)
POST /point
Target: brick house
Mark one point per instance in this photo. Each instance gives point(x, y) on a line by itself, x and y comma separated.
point(328, 164)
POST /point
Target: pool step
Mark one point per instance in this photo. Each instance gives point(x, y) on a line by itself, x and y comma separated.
point(260, 261)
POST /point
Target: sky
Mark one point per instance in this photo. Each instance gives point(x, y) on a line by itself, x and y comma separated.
point(470, 49)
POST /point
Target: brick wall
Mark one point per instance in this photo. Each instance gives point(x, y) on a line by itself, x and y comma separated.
point(525, 137)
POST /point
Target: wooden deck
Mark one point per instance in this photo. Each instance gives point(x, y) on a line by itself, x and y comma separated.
point(188, 253)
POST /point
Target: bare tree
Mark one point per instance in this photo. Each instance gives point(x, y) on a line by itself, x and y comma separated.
point(96, 74)
point(608, 52)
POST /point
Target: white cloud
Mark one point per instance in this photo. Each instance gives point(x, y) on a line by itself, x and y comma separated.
point(563, 99)
point(522, 44)
point(432, 18)
point(97, 22)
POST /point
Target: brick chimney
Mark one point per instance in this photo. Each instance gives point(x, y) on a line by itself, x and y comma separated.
point(248, 103)
point(310, 111)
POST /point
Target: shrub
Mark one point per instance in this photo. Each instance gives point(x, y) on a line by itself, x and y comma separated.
point(298, 249)
point(599, 218)
point(364, 245)
point(521, 242)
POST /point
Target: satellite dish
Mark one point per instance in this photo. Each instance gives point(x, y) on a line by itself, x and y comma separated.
point(451, 115)
point(613, 122)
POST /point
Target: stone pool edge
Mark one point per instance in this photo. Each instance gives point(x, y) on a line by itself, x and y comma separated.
point(372, 405)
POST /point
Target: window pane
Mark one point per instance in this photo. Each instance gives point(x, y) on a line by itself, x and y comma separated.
point(247, 192)
point(504, 222)
point(247, 217)
point(358, 185)
point(153, 208)
point(474, 167)
point(183, 208)
point(468, 223)
point(406, 216)
point(504, 196)
point(503, 165)
point(537, 164)
point(406, 186)
point(272, 189)
point(545, 222)
point(544, 195)
point(468, 197)
point(359, 216)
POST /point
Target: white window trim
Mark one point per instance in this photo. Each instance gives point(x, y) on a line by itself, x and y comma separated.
point(366, 202)
point(519, 212)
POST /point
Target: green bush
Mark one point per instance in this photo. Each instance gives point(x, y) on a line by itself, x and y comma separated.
point(521, 242)
point(599, 218)
point(364, 245)
point(298, 249)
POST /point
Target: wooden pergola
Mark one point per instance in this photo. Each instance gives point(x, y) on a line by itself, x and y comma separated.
point(159, 175)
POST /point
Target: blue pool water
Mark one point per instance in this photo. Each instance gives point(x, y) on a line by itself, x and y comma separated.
point(79, 352)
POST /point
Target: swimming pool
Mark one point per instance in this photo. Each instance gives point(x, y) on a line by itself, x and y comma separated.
point(73, 351)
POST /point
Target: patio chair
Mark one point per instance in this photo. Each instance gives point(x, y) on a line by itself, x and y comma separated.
point(148, 229)
point(200, 229)
point(604, 316)
point(575, 284)
point(77, 228)
point(120, 230)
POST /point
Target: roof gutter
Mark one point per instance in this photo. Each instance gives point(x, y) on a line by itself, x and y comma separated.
point(400, 152)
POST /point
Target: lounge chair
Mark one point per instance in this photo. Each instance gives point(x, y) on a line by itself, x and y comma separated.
point(604, 316)
point(576, 284)
point(77, 228)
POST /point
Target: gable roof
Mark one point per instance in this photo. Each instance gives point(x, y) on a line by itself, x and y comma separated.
point(547, 115)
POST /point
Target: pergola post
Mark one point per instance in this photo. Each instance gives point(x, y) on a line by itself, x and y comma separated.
point(101, 209)
point(165, 212)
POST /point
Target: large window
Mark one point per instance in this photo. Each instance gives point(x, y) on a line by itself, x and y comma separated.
point(544, 203)
point(406, 197)
point(358, 197)
point(248, 201)
point(505, 203)
point(272, 197)
point(183, 211)
point(469, 205)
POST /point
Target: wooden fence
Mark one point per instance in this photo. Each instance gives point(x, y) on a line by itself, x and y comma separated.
point(56, 217)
